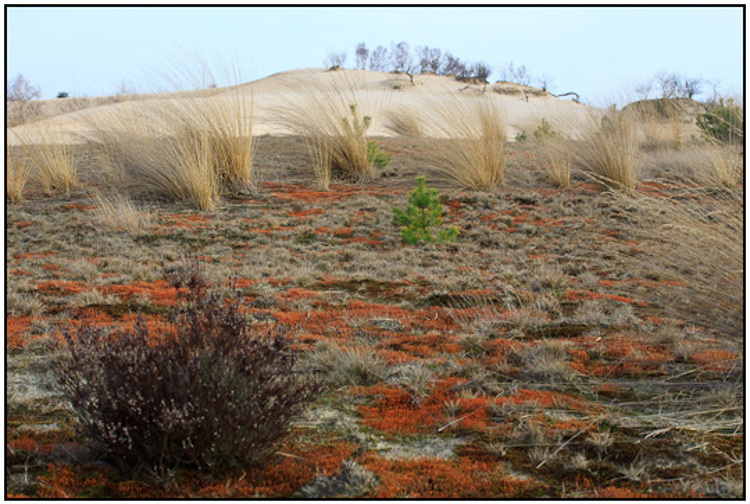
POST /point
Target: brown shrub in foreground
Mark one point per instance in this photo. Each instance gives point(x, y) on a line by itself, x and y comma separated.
point(206, 391)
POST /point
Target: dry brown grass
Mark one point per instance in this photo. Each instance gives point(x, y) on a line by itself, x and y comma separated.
point(192, 150)
point(117, 211)
point(609, 150)
point(18, 165)
point(699, 240)
point(334, 125)
point(467, 148)
point(175, 166)
point(55, 162)
point(556, 162)
point(719, 166)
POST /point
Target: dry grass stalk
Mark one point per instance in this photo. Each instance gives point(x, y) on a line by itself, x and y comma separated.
point(661, 123)
point(18, 165)
point(117, 211)
point(469, 148)
point(404, 122)
point(557, 163)
point(719, 167)
point(334, 128)
point(193, 148)
point(699, 243)
point(608, 153)
point(55, 163)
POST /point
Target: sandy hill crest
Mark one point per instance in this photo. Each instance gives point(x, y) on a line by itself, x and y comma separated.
point(378, 93)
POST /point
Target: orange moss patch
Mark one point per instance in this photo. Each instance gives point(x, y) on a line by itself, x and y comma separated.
point(362, 239)
point(160, 292)
point(23, 224)
point(336, 192)
point(78, 206)
point(304, 214)
point(63, 287)
point(17, 331)
point(397, 411)
point(31, 255)
point(716, 360)
point(297, 293)
point(431, 478)
point(287, 474)
point(580, 295)
point(66, 482)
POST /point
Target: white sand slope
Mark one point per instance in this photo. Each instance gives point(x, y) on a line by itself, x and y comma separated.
point(377, 94)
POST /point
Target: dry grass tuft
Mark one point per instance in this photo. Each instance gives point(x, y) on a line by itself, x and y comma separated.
point(468, 149)
point(55, 163)
point(719, 167)
point(18, 165)
point(404, 122)
point(117, 211)
point(547, 360)
point(608, 152)
point(344, 367)
point(334, 126)
point(557, 163)
point(193, 148)
point(699, 243)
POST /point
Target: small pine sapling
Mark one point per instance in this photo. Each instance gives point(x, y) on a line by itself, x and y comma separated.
point(422, 214)
point(376, 156)
point(544, 131)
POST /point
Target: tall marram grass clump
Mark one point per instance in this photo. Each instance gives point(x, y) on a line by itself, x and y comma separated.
point(18, 165)
point(609, 151)
point(723, 122)
point(333, 123)
point(463, 140)
point(698, 242)
point(207, 391)
point(194, 147)
point(55, 162)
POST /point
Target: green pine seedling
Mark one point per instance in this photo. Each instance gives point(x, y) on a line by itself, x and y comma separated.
point(422, 215)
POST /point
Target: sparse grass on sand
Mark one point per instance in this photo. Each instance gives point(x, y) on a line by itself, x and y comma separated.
point(582, 343)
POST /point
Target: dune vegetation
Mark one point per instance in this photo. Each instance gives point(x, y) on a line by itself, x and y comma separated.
point(375, 300)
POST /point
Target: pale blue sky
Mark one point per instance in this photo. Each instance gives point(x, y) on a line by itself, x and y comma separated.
point(598, 52)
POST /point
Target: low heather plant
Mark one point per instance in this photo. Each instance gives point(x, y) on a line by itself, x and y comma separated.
point(206, 390)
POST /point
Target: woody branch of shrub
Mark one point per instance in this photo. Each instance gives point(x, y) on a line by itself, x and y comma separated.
point(206, 391)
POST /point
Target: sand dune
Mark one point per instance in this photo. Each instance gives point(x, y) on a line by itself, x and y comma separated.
point(377, 94)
